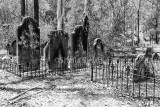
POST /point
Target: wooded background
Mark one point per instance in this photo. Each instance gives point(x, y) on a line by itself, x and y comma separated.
point(116, 22)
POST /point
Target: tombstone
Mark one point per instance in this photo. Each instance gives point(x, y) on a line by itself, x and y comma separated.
point(79, 44)
point(144, 68)
point(28, 36)
point(98, 48)
point(56, 47)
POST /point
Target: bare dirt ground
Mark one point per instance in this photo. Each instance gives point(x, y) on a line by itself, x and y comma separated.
point(74, 90)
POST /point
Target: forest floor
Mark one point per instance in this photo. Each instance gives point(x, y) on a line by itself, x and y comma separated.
point(71, 90)
point(74, 90)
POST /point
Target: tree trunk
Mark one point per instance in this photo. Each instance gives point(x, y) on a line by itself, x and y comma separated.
point(86, 7)
point(87, 12)
point(60, 14)
point(22, 8)
point(138, 27)
point(124, 21)
point(156, 30)
point(157, 16)
point(138, 12)
point(133, 30)
point(36, 11)
point(27, 7)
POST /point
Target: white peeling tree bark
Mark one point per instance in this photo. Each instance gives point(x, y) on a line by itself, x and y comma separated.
point(86, 7)
point(60, 14)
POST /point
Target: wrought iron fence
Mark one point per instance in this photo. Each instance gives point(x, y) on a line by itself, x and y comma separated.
point(118, 72)
point(61, 67)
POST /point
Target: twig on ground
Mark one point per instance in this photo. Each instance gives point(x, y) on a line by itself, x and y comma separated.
point(23, 93)
point(22, 97)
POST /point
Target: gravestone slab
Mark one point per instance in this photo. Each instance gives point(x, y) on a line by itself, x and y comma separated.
point(28, 36)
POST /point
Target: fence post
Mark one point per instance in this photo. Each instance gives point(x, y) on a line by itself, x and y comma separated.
point(22, 8)
point(154, 90)
point(91, 71)
point(112, 67)
point(117, 73)
point(19, 70)
point(36, 11)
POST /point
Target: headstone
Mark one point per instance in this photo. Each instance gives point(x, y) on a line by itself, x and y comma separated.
point(28, 45)
point(57, 47)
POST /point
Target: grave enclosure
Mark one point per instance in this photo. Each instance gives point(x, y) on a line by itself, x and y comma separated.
point(28, 61)
point(116, 72)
